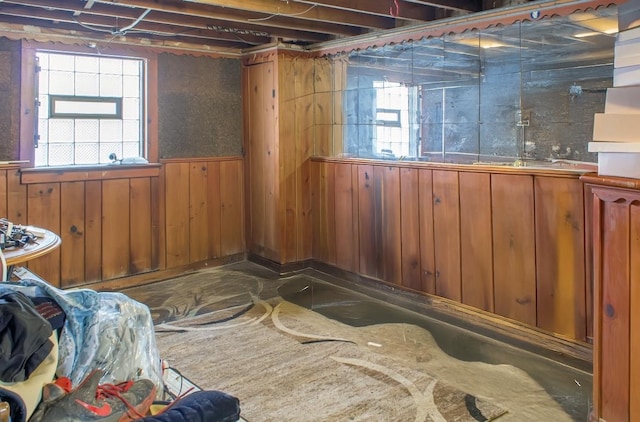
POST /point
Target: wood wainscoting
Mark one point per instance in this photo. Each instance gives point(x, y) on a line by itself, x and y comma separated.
point(507, 241)
point(616, 253)
point(119, 222)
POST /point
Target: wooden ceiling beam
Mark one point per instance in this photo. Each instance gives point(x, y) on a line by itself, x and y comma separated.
point(466, 6)
point(63, 30)
point(228, 14)
point(108, 26)
point(298, 10)
point(166, 18)
point(404, 10)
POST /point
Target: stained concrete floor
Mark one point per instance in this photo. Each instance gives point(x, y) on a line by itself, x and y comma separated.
point(569, 382)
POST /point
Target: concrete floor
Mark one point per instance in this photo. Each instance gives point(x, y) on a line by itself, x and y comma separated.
point(567, 385)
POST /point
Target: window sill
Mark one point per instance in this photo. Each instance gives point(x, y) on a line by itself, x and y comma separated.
point(83, 173)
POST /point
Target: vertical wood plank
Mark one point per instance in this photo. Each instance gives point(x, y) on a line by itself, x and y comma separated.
point(329, 217)
point(410, 228)
point(476, 240)
point(303, 189)
point(427, 236)
point(589, 261)
point(72, 233)
point(231, 194)
point(287, 137)
point(157, 222)
point(16, 198)
point(615, 312)
point(316, 204)
point(355, 218)
point(177, 213)
point(93, 231)
point(597, 208)
point(43, 203)
point(390, 225)
point(634, 272)
point(287, 178)
point(198, 212)
point(214, 187)
point(346, 242)
point(514, 247)
point(560, 262)
point(322, 243)
point(3, 192)
point(367, 222)
point(256, 158)
point(271, 170)
point(304, 147)
point(140, 213)
point(116, 249)
point(446, 217)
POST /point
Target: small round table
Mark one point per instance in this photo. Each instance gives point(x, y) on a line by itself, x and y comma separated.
point(42, 246)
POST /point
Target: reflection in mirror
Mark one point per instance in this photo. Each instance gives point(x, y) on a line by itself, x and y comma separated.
point(522, 92)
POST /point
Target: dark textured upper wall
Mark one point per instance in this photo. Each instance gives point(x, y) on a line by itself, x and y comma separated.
point(199, 106)
point(9, 99)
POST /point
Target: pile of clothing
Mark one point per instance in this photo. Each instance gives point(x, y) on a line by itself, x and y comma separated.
point(81, 355)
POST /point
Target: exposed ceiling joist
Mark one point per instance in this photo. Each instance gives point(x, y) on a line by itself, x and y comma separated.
point(230, 24)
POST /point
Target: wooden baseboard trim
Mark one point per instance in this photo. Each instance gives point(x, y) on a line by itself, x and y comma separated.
point(118, 284)
point(282, 269)
point(576, 354)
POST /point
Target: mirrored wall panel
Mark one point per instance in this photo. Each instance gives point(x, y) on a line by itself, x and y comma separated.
point(523, 92)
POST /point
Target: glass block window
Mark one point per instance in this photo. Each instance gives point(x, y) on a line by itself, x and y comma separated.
point(89, 107)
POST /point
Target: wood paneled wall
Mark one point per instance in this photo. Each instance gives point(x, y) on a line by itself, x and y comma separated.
point(121, 222)
point(616, 246)
point(204, 210)
point(289, 117)
point(505, 242)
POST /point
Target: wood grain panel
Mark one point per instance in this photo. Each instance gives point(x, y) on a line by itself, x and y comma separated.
point(346, 235)
point(323, 77)
point(72, 233)
point(476, 236)
point(589, 260)
point(116, 247)
point(287, 178)
point(304, 79)
point(367, 223)
point(256, 157)
point(287, 149)
point(316, 181)
point(560, 261)
point(303, 143)
point(615, 312)
point(214, 209)
point(43, 203)
point(514, 247)
point(303, 195)
point(634, 272)
point(328, 222)
point(198, 212)
point(390, 225)
point(16, 198)
point(93, 231)
point(427, 236)
point(232, 211)
point(177, 213)
point(271, 169)
point(446, 218)
point(140, 212)
point(3, 192)
point(410, 228)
